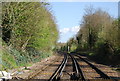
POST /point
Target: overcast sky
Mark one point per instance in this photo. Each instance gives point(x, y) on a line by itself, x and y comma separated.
point(69, 15)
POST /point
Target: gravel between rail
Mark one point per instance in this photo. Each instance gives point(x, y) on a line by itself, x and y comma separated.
point(45, 69)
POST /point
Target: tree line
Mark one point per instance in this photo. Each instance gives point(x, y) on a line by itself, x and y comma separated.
point(99, 34)
point(28, 28)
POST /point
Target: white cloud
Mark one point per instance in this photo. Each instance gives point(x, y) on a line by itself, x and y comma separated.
point(70, 30)
point(75, 29)
point(67, 33)
point(64, 30)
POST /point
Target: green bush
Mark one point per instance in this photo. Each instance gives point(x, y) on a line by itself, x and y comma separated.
point(27, 29)
point(8, 60)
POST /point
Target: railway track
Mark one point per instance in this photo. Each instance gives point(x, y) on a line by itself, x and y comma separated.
point(72, 67)
point(78, 72)
point(47, 71)
point(102, 74)
point(58, 73)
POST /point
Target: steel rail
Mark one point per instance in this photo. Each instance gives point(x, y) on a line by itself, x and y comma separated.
point(102, 74)
point(77, 72)
point(57, 74)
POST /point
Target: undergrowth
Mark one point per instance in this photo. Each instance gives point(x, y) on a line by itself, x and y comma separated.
point(12, 58)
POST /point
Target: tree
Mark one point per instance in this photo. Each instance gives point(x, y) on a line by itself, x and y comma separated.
point(94, 22)
point(29, 25)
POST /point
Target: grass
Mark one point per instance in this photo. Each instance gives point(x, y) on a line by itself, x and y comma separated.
point(11, 58)
point(8, 61)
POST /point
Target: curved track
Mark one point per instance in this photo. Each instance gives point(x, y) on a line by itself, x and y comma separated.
point(58, 73)
point(72, 67)
point(102, 74)
point(77, 72)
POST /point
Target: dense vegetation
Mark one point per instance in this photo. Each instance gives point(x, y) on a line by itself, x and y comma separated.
point(29, 32)
point(98, 37)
